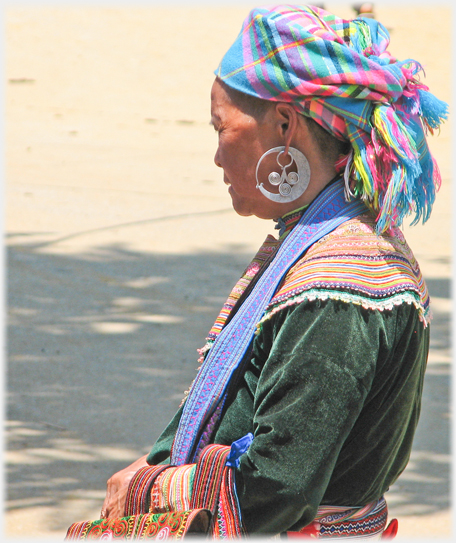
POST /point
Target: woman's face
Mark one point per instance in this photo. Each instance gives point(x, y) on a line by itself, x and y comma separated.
point(242, 140)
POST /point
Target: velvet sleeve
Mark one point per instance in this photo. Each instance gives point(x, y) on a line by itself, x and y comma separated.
point(161, 451)
point(318, 364)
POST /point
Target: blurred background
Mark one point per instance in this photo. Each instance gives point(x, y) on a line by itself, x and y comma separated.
point(122, 246)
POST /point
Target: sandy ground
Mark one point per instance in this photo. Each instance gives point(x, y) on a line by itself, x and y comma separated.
point(122, 245)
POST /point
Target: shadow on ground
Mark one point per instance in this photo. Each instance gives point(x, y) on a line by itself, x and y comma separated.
point(101, 348)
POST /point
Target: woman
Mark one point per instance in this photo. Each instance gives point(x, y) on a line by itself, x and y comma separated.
point(308, 395)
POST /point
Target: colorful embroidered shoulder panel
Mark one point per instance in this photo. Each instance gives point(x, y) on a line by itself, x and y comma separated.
point(355, 265)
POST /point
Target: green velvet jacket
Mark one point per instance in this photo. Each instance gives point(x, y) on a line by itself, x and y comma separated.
point(331, 390)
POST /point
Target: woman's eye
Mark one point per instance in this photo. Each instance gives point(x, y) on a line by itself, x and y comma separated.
point(217, 127)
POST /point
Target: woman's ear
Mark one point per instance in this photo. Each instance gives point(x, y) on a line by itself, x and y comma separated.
point(287, 122)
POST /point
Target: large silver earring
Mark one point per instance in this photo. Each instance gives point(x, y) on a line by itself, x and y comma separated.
point(291, 185)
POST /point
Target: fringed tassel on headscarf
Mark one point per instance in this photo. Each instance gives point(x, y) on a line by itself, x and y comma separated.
point(394, 172)
point(391, 168)
point(425, 190)
point(433, 110)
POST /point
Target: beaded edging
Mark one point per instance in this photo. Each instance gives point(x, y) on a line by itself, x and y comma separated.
point(354, 265)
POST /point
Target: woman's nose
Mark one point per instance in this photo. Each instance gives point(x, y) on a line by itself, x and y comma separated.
point(217, 159)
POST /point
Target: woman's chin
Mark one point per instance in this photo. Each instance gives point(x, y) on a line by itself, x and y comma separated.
point(240, 209)
point(238, 204)
point(247, 209)
point(242, 212)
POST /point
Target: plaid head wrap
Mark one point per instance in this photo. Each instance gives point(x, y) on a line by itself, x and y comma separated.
point(339, 73)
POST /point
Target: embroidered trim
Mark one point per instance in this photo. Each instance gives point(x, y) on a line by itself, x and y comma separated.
point(172, 489)
point(269, 246)
point(325, 213)
point(355, 265)
point(348, 523)
point(286, 223)
point(386, 304)
point(138, 496)
point(215, 489)
point(172, 525)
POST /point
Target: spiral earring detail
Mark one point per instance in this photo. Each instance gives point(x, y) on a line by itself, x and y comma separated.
point(291, 185)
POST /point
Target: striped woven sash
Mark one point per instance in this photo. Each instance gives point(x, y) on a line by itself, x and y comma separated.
point(327, 211)
point(350, 523)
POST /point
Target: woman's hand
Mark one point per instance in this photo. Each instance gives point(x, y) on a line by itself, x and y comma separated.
point(116, 493)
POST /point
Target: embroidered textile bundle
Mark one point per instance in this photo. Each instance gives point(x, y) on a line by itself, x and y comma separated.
point(339, 73)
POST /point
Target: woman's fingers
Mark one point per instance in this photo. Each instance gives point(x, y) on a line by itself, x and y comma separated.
point(116, 490)
point(114, 505)
point(107, 502)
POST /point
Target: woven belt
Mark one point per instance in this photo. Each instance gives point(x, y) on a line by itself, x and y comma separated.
point(350, 522)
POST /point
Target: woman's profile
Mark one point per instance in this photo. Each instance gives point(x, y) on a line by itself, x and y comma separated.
point(304, 409)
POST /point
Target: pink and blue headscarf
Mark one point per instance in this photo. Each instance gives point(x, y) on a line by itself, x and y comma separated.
point(339, 73)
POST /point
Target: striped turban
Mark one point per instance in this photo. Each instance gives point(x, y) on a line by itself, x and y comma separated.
point(339, 73)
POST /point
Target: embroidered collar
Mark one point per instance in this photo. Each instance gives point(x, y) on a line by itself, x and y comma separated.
point(286, 223)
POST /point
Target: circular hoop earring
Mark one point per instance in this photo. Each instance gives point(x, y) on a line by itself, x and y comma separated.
point(291, 185)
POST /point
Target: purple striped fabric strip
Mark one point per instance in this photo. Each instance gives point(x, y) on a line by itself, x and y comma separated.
point(327, 211)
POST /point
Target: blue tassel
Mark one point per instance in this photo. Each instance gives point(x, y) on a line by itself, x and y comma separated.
point(424, 191)
point(432, 109)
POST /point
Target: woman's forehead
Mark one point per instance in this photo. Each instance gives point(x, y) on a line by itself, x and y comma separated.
point(218, 92)
point(221, 103)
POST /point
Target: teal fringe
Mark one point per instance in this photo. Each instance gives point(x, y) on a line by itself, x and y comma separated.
point(424, 191)
point(433, 110)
